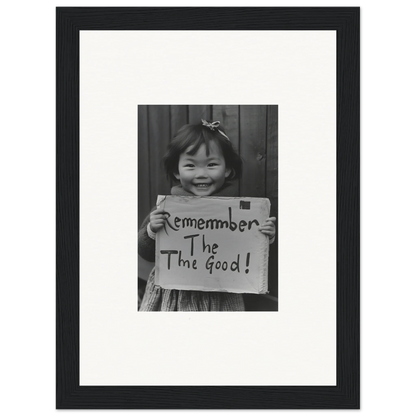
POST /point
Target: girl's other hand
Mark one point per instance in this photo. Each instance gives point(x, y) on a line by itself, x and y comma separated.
point(158, 219)
point(268, 227)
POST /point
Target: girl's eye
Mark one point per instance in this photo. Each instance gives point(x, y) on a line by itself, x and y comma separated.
point(212, 164)
point(189, 165)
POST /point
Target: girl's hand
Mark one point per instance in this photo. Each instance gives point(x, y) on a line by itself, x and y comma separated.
point(268, 227)
point(158, 219)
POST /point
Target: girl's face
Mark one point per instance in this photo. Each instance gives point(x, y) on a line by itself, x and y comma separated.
point(201, 174)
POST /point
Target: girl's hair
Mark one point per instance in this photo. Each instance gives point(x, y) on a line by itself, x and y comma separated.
point(193, 136)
